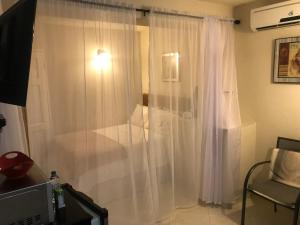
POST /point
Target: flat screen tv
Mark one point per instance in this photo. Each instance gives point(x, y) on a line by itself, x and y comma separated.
point(16, 35)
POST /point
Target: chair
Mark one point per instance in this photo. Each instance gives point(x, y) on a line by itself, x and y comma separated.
point(271, 190)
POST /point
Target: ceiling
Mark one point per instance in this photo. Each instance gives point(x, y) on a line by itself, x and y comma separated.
point(232, 2)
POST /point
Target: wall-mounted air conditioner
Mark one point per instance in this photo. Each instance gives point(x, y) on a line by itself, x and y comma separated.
point(286, 13)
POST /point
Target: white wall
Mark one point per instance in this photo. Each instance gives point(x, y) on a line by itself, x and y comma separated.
point(274, 108)
point(192, 6)
point(144, 42)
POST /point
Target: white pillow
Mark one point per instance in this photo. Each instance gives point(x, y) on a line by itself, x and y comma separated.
point(285, 167)
point(139, 116)
point(161, 120)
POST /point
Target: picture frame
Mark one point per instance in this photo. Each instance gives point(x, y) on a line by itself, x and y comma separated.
point(170, 67)
point(286, 67)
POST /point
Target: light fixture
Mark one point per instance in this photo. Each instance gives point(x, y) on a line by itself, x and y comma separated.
point(102, 60)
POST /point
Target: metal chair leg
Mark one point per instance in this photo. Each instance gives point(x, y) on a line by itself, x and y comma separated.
point(244, 206)
point(275, 207)
point(296, 213)
point(245, 189)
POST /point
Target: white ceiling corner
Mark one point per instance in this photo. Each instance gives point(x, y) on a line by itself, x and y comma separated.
point(231, 2)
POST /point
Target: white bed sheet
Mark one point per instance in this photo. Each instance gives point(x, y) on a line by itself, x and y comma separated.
point(124, 134)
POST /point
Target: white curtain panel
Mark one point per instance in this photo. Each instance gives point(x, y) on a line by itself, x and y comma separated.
point(194, 107)
point(84, 109)
point(221, 117)
point(175, 85)
point(87, 122)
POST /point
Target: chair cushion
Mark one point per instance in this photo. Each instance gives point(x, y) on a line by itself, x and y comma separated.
point(285, 167)
point(279, 192)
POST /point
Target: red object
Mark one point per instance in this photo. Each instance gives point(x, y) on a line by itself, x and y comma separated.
point(15, 165)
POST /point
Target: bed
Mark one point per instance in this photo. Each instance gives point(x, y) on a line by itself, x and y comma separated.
point(98, 159)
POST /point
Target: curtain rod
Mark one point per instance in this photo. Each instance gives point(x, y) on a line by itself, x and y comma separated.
point(147, 11)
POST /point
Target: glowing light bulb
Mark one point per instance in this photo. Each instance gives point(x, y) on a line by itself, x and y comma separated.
point(102, 60)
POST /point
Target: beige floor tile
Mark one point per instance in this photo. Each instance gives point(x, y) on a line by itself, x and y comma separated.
point(195, 216)
point(259, 212)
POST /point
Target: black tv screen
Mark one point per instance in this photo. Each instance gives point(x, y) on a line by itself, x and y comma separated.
point(16, 34)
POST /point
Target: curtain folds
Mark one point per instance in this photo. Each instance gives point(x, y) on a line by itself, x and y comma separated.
point(221, 117)
point(84, 106)
point(194, 103)
point(174, 87)
point(86, 117)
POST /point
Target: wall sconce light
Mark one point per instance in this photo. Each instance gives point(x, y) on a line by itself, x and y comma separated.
point(102, 60)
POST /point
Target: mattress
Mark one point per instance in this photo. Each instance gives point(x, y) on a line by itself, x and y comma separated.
point(124, 134)
point(104, 156)
point(98, 155)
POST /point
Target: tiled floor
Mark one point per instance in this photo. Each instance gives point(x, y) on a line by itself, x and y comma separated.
point(259, 212)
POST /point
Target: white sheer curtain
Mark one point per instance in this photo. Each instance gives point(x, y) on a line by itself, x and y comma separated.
point(84, 112)
point(221, 117)
point(194, 107)
point(175, 82)
point(86, 119)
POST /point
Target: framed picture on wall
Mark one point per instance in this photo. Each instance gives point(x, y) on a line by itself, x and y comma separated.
point(287, 60)
point(170, 67)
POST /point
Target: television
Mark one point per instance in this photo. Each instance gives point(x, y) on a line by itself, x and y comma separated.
point(16, 36)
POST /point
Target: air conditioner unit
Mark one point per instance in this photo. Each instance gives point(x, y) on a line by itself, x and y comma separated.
point(286, 13)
